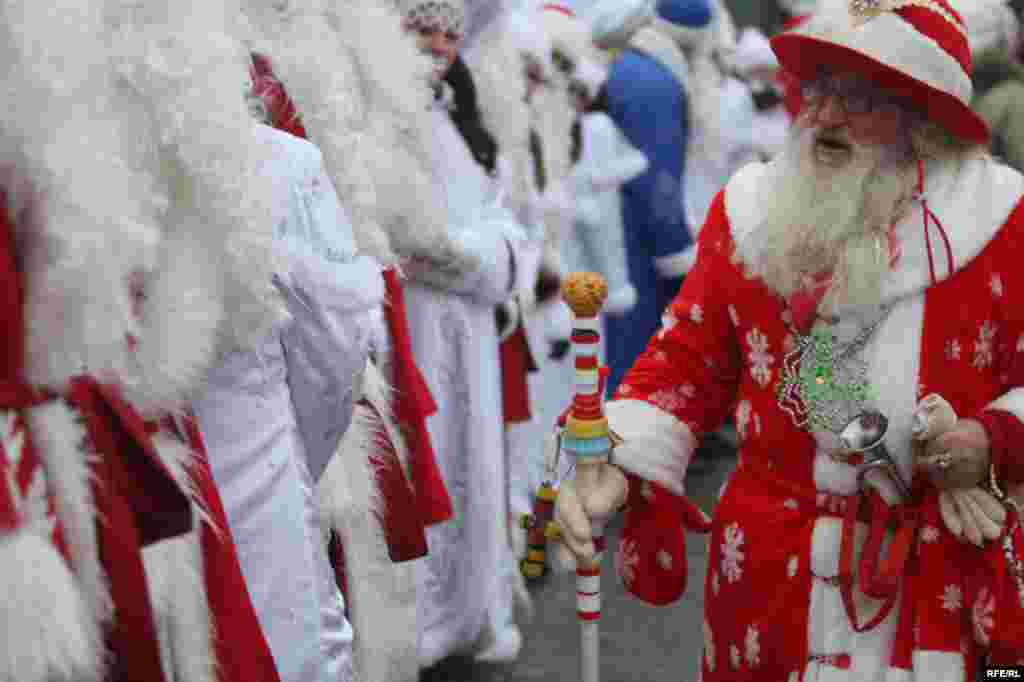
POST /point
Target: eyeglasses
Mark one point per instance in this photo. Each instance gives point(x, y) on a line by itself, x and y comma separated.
point(856, 97)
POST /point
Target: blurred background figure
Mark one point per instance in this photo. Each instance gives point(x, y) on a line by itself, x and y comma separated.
point(756, 64)
point(647, 97)
point(722, 135)
point(993, 33)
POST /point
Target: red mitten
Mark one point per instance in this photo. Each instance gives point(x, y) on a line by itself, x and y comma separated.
point(651, 557)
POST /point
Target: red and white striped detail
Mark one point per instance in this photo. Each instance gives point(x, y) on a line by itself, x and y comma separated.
point(588, 584)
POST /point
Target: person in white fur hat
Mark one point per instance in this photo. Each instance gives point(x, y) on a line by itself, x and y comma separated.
point(454, 337)
point(136, 250)
point(756, 63)
point(361, 93)
point(722, 117)
point(528, 102)
point(840, 289)
point(273, 417)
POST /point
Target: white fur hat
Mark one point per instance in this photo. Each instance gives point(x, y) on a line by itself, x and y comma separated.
point(448, 14)
point(613, 22)
point(753, 51)
point(990, 23)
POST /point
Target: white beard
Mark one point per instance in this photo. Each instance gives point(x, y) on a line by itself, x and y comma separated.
point(817, 219)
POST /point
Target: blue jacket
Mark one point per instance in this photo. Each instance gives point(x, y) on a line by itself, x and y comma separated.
point(649, 105)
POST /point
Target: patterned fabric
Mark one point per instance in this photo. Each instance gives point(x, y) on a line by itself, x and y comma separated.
point(442, 15)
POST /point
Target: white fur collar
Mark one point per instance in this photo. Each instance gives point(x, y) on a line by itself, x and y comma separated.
point(662, 49)
point(972, 201)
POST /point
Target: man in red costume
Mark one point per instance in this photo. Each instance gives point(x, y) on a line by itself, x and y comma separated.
point(117, 564)
point(868, 266)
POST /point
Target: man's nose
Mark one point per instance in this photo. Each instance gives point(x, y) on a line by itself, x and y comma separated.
point(831, 110)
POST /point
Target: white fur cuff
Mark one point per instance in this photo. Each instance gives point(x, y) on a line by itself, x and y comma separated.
point(45, 618)
point(940, 666)
point(1011, 401)
point(675, 265)
point(657, 446)
point(621, 301)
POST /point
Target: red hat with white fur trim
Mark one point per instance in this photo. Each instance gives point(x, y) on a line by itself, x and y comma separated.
point(916, 49)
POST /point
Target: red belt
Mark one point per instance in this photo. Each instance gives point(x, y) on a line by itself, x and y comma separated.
point(879, 576)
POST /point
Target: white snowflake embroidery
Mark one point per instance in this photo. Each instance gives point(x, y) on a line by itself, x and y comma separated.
point(952, 598)
point(742, 418)
point(757, 424)
point(734, 316)
point(791, 568)
point(672, 398)
point(953, 350)
point(32, 503)
point(709, 647)
point(791, 503)
point(982, 615)
point(732, 555)
point(929, 534)
point(696, 314)
point(627, 558)
point(996, 285)
point(734, 656)
point(664, 560)
point(668, 321)
point(983, 346)
point(753, 646)
point(760, 359)
point(716, 584)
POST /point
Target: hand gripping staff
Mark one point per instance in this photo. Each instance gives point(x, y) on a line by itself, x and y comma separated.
point(586, 437)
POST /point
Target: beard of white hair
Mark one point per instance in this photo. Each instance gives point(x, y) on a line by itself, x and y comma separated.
point(822, 220)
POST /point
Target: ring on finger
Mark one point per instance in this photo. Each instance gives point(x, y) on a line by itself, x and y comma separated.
point(944, 461)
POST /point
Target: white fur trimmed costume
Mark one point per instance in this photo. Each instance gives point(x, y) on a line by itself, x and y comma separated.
point(134, 228)
point(273, 418)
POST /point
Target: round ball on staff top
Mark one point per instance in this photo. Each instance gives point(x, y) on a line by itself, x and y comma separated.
point(585, 293)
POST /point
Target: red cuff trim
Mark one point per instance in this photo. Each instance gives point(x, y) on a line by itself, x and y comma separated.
point(1004, 429)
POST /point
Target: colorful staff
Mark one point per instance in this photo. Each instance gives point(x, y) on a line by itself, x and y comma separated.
point(586, 437)
point(540, 527)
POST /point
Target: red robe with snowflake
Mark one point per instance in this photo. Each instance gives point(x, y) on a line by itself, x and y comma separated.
point(772, 607)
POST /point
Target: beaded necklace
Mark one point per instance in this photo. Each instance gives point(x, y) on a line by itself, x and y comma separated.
point(823, 383)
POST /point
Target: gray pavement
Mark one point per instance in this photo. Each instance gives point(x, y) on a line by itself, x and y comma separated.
point(639, 643)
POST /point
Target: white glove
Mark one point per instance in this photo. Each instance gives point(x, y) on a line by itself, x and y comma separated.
point(971, 514)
